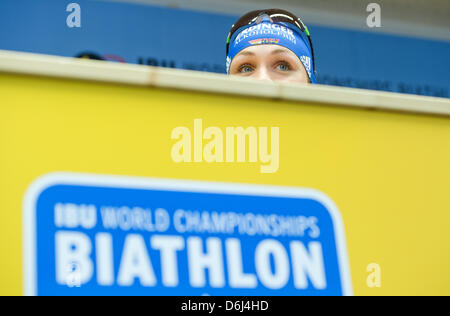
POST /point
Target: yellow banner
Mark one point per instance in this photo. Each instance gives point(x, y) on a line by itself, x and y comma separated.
point(387, 172)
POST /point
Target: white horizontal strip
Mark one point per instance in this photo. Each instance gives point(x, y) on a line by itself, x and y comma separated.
point(72, 68)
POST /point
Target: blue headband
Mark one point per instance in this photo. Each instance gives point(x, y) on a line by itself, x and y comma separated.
point(279, 33)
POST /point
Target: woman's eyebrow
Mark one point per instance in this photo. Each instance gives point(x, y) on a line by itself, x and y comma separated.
point(245, 54)
point(279, 51)
point(274, 52)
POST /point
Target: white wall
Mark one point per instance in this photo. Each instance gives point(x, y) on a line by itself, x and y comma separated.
point(422, 18)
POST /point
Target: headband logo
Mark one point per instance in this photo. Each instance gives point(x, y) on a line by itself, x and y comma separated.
point(306, 61)
point(266, 29)
point(228, 64)
point(260, 41)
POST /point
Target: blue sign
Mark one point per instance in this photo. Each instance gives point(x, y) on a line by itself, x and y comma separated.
point(107, 235)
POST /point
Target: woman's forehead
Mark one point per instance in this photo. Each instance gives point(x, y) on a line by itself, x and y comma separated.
point(267, 49)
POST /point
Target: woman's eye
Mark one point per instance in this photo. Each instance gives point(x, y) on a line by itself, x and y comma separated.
point(284, 66)
point(245, 68)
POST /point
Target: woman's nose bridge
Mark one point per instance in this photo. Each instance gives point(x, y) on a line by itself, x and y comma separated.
point(263, 74)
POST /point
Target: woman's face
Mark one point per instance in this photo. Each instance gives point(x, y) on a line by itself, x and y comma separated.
point(269, 62)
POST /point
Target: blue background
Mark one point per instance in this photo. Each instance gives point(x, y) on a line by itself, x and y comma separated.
point(187, 39)
point(171, 201)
